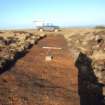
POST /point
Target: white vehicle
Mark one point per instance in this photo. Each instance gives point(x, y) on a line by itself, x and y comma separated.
point(48, 28)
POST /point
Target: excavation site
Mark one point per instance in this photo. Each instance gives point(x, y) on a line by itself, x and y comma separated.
point(52, 68)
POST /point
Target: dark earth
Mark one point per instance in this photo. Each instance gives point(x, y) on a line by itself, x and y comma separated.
point(34, 81)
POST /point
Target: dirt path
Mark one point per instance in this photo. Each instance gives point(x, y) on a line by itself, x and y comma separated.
point(35, 81)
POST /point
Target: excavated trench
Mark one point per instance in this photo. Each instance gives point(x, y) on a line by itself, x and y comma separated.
point(47, 75)
point(35, 81)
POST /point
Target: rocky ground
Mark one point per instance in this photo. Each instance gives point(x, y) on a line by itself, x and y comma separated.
point(92, 44)
point(13, 43)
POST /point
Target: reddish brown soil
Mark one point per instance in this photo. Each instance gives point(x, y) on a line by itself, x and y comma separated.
point(33, 81)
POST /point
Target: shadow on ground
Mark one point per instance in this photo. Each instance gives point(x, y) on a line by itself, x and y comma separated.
point(10, 63)
point(89, 89)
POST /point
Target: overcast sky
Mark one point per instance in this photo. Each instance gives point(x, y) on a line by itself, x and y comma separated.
point(22, 13)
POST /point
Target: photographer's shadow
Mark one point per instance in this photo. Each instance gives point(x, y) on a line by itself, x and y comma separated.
point(89, 89)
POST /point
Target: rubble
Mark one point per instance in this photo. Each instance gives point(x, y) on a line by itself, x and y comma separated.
point(12, 43)
point(92, 43)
